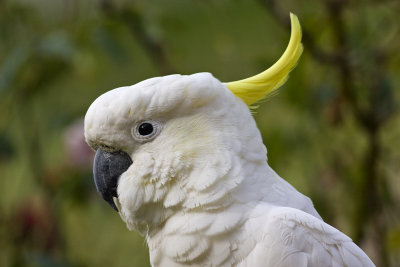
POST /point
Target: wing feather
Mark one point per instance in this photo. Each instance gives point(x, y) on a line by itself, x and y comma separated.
point(295, 238)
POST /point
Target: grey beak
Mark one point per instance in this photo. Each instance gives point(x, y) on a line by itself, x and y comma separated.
point(107, 168)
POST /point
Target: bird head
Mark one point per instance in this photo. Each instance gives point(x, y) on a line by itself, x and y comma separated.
point(179, 142)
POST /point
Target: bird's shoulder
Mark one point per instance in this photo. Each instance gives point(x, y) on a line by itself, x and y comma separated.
point(290, 237)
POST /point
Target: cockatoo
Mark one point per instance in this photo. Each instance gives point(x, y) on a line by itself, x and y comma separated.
point(182, 161)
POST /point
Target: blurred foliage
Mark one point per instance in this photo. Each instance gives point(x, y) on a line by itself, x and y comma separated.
point(333, 131)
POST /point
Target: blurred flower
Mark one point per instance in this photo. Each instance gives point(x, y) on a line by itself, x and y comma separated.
point(33, 224)
point(78, 152)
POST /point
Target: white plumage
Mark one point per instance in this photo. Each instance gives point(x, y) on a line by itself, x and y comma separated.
point(201, 190)
point(199, 187)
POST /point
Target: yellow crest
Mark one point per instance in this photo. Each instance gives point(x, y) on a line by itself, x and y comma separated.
point(255, 88)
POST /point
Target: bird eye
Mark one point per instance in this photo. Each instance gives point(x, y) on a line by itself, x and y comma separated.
point(146, 130)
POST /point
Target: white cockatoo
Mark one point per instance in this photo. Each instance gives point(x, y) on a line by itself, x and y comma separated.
point(182, 161)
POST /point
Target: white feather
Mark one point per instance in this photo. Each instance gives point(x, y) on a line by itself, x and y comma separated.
point(202, 191)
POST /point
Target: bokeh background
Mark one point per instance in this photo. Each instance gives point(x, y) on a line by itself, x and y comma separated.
point(333, 130)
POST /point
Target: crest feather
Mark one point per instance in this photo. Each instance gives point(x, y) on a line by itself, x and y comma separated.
point(255, 88)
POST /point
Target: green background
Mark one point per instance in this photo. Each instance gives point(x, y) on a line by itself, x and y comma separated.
point(332, 131)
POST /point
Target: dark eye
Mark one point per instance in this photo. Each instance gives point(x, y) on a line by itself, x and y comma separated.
point(145, 129)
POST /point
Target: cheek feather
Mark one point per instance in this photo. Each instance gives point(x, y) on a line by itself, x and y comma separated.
point(191, 136)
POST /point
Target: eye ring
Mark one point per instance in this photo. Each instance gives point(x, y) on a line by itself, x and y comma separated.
point(146, 130)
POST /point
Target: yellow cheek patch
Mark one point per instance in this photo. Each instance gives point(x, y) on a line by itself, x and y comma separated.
point(255, 88)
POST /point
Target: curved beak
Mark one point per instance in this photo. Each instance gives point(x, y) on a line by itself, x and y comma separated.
point(107, 168)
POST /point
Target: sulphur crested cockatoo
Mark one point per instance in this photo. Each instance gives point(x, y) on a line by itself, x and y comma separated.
point(182, 161)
